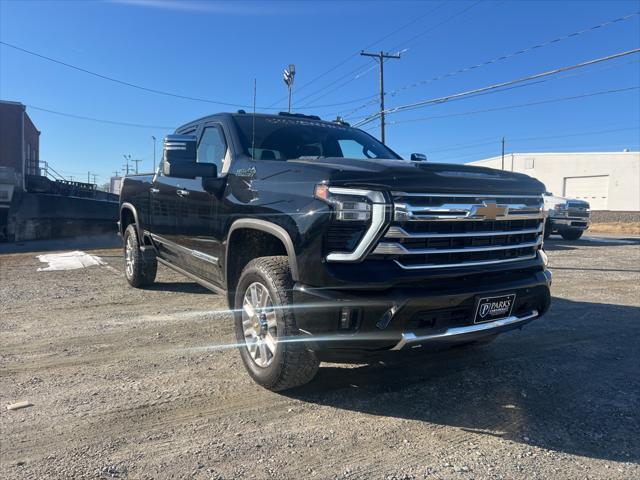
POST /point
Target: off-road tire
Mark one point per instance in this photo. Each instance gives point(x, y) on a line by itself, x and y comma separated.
point(571, 234)
point(547, 228)
point(293, 364)
point(143, 269)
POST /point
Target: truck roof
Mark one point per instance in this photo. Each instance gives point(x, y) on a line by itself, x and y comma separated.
point(239, 113)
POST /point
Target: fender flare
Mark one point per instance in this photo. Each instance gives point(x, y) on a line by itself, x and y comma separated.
point(271, 228)
point(130, 207)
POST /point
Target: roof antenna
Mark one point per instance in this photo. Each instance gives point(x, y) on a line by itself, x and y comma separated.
point(253, 128)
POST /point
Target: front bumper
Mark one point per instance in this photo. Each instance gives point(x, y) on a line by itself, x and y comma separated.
point(567, 223)
point(468, 333)
point(436, 314)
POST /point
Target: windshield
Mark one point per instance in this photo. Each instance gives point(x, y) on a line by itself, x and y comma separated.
point(284, 138)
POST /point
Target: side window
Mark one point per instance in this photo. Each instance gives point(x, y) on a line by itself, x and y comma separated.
point(212, 147)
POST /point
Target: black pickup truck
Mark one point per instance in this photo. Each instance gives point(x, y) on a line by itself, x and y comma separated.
point(330, 247)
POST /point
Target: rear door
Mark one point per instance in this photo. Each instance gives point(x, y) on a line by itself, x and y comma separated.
point(201, 247)
point(164, 215)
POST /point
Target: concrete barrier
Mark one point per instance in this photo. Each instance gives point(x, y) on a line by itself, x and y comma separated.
point(37, 216)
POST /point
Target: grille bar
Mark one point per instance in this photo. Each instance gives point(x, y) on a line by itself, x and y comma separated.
point(457, 230)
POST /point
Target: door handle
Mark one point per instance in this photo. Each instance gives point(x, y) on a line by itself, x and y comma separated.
point(154, 190)
point(182, 193)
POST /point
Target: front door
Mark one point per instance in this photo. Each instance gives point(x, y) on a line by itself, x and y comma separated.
point(201, 247)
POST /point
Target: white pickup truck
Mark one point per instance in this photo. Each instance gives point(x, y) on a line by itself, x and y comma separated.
point(566, 216)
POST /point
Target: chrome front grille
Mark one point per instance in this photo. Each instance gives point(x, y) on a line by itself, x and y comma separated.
point(451, 230)
point(579, 210)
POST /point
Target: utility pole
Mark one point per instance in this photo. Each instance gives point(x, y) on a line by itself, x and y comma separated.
point(136, 162)
point(288, 75)
point(502, 153)
point(94, 178)
point(127, 159)
point(116, 173)
point(154, 153)
point(381, 56)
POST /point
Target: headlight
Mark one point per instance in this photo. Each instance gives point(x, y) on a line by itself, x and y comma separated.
point(354, 206)
point(349, 204)
point(560, 209)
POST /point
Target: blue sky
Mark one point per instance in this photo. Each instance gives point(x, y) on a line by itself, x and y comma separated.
point(214, 50)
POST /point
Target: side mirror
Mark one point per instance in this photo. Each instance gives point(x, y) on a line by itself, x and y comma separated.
point(179, 158)
point(418, 157)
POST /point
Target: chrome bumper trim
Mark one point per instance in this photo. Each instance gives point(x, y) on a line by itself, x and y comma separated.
point(391, 248)
point(568, 221)
point(465, 264)
point(411, 338)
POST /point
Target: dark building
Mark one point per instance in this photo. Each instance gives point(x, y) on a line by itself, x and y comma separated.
point(19, 142)
point(34, 206)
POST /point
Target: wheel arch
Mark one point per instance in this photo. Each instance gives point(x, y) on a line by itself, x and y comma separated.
point(127, 213)
point(280, 244)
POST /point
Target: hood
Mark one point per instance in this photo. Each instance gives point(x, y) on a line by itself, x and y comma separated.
point(422, 177)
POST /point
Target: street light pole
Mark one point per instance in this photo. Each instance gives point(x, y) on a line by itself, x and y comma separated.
point(288, 75)
point(154, 153)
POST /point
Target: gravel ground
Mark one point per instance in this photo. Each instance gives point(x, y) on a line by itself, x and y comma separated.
point(122, 387)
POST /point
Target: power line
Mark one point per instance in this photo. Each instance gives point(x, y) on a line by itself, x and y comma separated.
point(355, 54)
point(432, 28)
point(521, 105)
point(497, 59)
point(398, 47)
point(154, 90)
point(496, 86)
point(99, 120)
point(519, 139)
point(563, 148)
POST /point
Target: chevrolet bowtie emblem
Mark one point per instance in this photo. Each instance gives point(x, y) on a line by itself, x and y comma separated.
point(490, 210)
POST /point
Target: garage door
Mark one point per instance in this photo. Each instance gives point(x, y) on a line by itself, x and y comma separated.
point(594, 190)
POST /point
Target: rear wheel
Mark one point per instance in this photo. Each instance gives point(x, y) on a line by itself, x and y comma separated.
point(571, 234)
point(266, 328)
point(138, 270)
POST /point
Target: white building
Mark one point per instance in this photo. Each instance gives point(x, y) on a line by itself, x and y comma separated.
point(607, 180)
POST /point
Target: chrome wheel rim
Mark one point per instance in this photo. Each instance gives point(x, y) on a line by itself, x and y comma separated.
point(259, 324)
point(128, 256)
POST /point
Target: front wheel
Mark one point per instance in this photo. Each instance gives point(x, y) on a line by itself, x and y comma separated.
point(272, 350)
point(571, 234)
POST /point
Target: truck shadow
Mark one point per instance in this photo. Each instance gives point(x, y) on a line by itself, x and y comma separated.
point(568, 382)
point(178, 287)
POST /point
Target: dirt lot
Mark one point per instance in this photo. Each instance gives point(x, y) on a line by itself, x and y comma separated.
point(123, 386)
point(616, 228)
